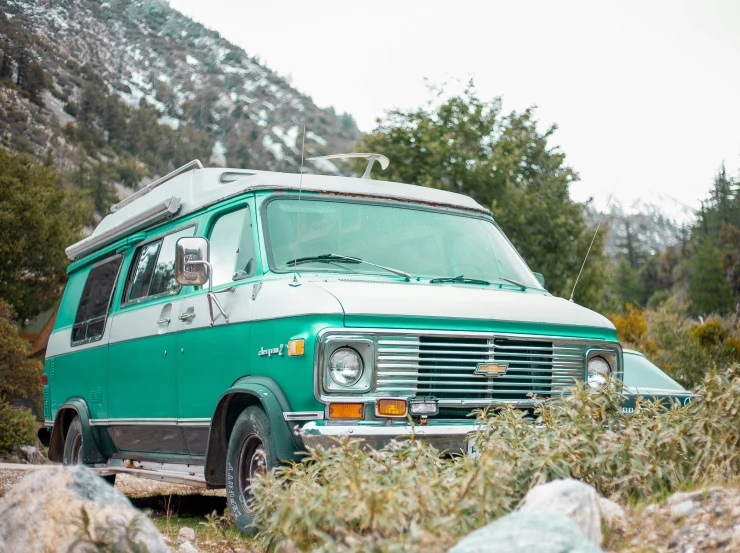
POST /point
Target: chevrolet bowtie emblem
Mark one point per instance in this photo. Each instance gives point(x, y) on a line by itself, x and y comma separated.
point(491, 369)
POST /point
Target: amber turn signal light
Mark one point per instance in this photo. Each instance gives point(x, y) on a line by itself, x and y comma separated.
point(345, 410)
point(296, 347)
point(390, 407)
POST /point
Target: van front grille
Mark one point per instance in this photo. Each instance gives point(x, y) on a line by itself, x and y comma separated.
point(454, 368)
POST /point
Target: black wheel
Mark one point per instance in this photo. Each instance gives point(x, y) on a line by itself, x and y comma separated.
point(73, 448)
point(250, 452)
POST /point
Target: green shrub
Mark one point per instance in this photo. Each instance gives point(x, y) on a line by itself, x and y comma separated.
point(406, 497)
point(678, 352)
point(17, 427)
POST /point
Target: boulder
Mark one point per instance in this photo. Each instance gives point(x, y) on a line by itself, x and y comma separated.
point(531, 530)
point(682, 509)
point(569, 497)
point(72, 509)
point(186, 534)
point(612, 513)
point(32, 455)
point(186, 540)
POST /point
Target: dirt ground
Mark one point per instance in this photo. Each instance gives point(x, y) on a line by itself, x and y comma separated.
point(686, 522)
point(171, 507)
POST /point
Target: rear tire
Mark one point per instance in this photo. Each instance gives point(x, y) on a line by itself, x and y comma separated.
point(251, 451)
point(73, 449)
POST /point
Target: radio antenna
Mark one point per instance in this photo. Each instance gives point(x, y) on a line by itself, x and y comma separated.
point(601, 219)
point(298, 218)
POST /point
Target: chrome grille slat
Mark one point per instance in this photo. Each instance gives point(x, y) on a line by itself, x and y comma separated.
point(432, 391)
point(495, 385)
point(394, 377)
point(444, 366)
point(475, 361)
point(510, 370)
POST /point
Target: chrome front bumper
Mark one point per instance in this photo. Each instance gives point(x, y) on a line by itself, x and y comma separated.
point(445, 436)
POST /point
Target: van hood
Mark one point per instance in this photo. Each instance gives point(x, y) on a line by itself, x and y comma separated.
point(453, 301)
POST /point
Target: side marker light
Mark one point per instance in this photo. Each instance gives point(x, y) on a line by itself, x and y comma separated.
point(296, 347)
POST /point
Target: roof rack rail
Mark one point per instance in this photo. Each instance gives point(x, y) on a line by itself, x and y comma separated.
point(195, 164)
point(155, 214)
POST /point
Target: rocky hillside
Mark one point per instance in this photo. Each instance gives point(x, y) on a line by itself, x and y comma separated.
point(140, 86)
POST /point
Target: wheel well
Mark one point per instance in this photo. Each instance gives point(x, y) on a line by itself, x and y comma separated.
point(64, 418)
point(228, 410)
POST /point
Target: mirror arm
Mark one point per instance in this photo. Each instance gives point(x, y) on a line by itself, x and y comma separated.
point(211, 294)
point(211, 300)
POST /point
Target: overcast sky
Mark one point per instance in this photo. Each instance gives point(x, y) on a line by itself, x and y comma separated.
point(644, 91)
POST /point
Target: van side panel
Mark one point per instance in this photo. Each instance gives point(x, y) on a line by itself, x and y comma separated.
point(76, 371)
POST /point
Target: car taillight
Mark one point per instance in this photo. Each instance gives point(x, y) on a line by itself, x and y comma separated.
point(44, 380)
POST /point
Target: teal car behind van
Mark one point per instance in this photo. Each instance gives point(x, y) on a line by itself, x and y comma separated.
point(220, 321)
point(642, 378)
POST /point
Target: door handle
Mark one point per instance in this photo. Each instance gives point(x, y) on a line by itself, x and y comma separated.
point(163, 322)
point(189, 314)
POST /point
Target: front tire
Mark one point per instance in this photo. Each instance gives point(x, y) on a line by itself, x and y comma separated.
point(73, 448)
point(251, 452)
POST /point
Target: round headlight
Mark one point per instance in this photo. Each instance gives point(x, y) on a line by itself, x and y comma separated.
point(598, 372)
point(345, 366)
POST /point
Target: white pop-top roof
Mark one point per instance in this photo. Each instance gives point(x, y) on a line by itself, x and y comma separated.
point(194, 189)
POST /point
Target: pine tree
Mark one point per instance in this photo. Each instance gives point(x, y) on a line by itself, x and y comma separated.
point(709, 290)
point(39, 219)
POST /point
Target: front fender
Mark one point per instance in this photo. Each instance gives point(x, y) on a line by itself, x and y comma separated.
point(65, 415)
point(249, 390)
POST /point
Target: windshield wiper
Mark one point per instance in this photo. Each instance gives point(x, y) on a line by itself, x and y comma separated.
point(336, 258)
point(515, 283)
point(460, 278)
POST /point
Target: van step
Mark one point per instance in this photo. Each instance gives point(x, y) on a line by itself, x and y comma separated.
point(170, 477)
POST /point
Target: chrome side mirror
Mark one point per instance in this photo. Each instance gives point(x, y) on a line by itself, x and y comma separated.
point(191, 261)
point(193, 268)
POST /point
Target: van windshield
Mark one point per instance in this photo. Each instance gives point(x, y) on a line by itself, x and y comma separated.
point(424, 243)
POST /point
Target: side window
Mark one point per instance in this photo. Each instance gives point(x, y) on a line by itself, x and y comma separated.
point(95, 301)
point(164, 276)
point(143, 271)
point(232, 248)
point(153, 271)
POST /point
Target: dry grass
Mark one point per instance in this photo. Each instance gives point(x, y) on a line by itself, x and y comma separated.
point(407, 498)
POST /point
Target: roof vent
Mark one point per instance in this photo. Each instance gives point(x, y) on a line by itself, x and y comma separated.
point(371, 159)
point(233, 176)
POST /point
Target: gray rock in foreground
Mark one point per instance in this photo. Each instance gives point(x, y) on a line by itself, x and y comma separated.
point(71, 509)
point(531, 531)
point(572, 498)
point(32, 455)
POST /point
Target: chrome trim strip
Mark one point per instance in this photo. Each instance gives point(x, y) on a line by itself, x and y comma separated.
point(303, 415)
point(446, 437)
point(151, 422)
point(48, 423)
point(637, 390)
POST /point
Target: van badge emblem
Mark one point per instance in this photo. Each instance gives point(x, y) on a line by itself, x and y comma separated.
point(491, 369)
point(270, 352)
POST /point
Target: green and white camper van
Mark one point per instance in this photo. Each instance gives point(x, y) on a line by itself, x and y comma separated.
point(219, 321)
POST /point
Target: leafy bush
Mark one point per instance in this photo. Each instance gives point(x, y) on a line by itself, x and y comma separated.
point(678, 352)
point(406, 497)
point(632, 329)
point(18, 427)
point(20, 376)
point(678, 344)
